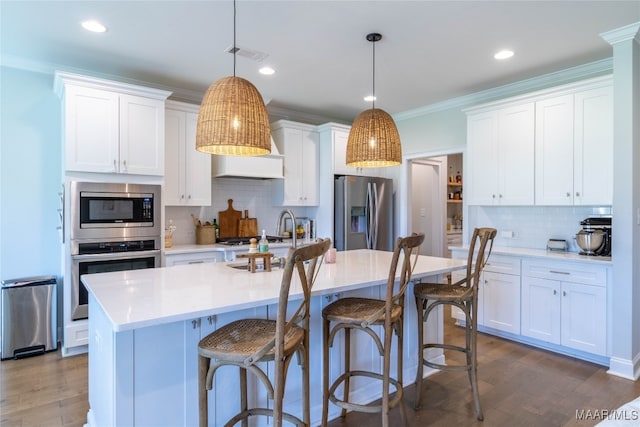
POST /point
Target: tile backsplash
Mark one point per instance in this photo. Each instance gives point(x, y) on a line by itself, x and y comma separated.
point(532, 226)
point(251, 194)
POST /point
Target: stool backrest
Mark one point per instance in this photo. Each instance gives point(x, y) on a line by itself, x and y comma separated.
point(405, 246)
point(296, 259)
point(477, 259)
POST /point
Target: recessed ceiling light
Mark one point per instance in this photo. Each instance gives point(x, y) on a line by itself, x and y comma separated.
point(94, 26)
point(369, 98)
point(503, 54)
point(267, 71)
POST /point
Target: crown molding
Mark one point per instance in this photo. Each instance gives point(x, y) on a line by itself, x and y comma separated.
point(628, 32)
point(580, 72)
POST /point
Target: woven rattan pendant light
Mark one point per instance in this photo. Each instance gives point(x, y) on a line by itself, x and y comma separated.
point(374, 140)
point(233, 119)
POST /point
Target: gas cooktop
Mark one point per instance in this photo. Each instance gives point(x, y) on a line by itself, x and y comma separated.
point(237, 241)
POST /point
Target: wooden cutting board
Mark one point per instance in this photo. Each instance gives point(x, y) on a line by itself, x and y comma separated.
point(229, 221)
point(248, 227)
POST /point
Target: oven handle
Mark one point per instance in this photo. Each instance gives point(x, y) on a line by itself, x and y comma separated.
point(115, 255)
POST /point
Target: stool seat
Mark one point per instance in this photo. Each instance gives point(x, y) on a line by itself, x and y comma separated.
point(359, 310)
point(443, 292)
point(239, 341)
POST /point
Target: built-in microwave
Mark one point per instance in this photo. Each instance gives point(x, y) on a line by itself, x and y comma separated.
point(114, 210)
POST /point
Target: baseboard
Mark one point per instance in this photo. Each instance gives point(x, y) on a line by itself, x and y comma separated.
point(625, 368)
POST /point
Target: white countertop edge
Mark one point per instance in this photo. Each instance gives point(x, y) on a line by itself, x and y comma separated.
point(542, 253)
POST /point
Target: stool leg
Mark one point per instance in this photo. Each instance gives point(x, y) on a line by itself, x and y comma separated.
point(203, 403)
point(347, 367)
point(243, 395)
point(306, 409)
point(325, 371)
point(473, 372)
point(386, 362)
point(419, 373)
point(400, 329)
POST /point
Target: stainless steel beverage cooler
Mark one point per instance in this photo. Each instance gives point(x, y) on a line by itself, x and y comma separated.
point(28, 316)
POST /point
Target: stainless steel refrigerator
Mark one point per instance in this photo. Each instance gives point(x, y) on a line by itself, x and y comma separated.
point(363, 213)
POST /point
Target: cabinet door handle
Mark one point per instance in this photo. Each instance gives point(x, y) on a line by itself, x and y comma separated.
point(555, 292)
point(564, 293)
point(560, 272)
point(189, 196)
point(577, 194)
point(124, 165)
point(115, 165)
point(493, 196)
point(500, 196)
point(210, 319)
point(568, 194)
point(195, 323)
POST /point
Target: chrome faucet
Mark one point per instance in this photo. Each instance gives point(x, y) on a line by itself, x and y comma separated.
point(293, 225)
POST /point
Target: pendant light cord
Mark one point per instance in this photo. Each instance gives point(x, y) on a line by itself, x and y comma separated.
point(374, 76)
point(234, 38)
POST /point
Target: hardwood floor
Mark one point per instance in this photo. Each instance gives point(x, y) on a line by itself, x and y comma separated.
point(519, 386)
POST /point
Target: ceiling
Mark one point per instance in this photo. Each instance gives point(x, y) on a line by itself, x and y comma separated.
point(431, 51)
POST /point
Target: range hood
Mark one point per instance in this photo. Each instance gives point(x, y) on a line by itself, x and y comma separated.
point(259, 167)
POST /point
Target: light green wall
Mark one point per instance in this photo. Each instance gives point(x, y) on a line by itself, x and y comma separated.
point(441, 132)
point(30, 174)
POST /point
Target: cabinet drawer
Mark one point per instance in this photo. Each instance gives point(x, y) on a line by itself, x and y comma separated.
point(503, 264)
point(566, 272)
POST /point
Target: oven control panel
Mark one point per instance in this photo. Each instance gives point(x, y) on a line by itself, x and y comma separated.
point(110, 247)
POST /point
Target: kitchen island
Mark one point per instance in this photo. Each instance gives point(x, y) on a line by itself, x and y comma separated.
point(144, 328)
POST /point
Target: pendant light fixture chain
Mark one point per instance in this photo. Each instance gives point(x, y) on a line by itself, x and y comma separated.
point(235, 49)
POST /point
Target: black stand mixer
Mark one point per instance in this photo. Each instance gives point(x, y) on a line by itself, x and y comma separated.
point(595, 237)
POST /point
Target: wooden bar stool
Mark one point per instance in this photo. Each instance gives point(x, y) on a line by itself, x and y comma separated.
point(464, 295)
point(361, 314)
point(244, 343)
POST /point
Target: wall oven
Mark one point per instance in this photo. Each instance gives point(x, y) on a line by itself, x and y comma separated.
point(114, 227)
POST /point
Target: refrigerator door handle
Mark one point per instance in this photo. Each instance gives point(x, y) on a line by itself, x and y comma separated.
point(369, 211)
point(376, 213)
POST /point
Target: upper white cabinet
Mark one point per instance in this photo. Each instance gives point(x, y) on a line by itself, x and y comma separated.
point(187, 171)
point(501, 146)
point(300, 145)
point(574, 147)
point(111, 127)
point(339, 135)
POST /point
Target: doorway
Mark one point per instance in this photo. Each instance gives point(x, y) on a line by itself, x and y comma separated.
point(436, 202)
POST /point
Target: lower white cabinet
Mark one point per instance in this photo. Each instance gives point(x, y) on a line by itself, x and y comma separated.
point(498, 294)
point(565, 304)
point(193, 258)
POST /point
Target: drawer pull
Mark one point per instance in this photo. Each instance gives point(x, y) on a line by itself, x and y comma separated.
point(560, 272)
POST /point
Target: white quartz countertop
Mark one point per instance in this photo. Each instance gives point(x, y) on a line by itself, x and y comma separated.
point(541, 253)
point(148, 297)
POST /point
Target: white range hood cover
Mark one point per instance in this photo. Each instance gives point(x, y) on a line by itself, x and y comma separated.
point(259, 167)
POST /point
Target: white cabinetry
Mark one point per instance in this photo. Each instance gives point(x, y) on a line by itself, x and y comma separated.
point(501, 288)
point(111, 127)
point(501, 147)
point(339, 139)
point(300, 145)
point(187, 171)
point(574, 147)
point(195, 257)
point(498, 294)
point(565, 303)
